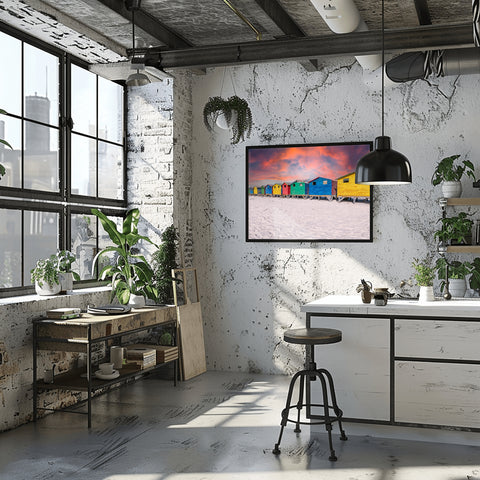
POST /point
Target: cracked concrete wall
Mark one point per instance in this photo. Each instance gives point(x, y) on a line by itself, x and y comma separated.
point(252, 292)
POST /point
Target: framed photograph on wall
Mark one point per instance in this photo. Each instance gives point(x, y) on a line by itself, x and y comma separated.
point(307, 193)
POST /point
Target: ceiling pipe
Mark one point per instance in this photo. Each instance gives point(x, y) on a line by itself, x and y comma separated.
point(342, 16)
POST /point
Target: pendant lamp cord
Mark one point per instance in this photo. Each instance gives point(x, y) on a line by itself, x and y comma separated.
point(133, 33)
point(383, 67)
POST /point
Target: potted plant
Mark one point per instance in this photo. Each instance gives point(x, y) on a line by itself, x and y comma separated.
point(2, 168)
point(456, 229)
point(425, 273)
point(65, 260)
point(457, 273)
point(164, 261)
point(54, 274)
point(233, 113)
point(45, 276)
point(449, 174)
point(130, 273)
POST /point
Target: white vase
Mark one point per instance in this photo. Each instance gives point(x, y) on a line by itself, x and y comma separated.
point(457, 287)
point(426, 294)
point(136, 301)
point(66, 282)
point(47, 289)
point(451, 189)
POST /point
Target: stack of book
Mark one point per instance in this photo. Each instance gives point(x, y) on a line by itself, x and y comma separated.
point(164, 353)
point(64, 313)
point(141, 356)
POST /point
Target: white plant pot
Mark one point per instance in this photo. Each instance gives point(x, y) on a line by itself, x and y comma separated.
point(457, 287)
point(66, 282)
point(136, 301)
point(451, 189)
point(47, 289)
point(222, 121)
point(426, 294)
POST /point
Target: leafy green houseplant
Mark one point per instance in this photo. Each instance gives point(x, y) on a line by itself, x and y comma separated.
point(48, 272)
point(2, 168)
point(475, 277)
point(164, 260)
point(66, 275)
point(457, 273)
point(130, 272)
point(237, 114)
point(424, 276)
point(447, 171)
point(456, 229)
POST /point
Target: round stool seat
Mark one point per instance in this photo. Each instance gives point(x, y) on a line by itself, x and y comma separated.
point(312, 336)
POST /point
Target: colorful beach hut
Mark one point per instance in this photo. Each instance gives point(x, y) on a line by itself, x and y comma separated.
point(285, 189)
point(255, 190)
point(268, 189)
point(322, 187)
point(277, 189)
point(261, 190)
point(298, 188)
point(346, 187)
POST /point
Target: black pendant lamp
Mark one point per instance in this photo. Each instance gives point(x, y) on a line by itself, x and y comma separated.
point(383, 166)
point(135, 79)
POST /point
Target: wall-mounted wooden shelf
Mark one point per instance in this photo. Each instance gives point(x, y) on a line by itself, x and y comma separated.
point(463, 249)
point(463, 201)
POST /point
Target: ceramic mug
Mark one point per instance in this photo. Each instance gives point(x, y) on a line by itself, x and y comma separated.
point(117, 355)
point(106, 368)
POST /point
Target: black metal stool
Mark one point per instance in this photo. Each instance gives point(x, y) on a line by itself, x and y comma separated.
point(311, 337)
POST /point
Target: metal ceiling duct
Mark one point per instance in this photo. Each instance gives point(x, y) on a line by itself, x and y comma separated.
point(437, 63)
point(342, 16)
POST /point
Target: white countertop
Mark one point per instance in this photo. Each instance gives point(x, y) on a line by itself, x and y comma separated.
point(352, 304)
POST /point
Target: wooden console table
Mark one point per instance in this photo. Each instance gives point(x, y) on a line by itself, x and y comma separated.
point(80, 334)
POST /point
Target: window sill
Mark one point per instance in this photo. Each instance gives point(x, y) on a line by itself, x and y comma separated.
point(38, 298)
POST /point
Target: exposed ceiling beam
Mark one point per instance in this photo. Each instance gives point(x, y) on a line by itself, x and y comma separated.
point(280, 17)
point(423, 13)
point(149, 24)
point(79, 27)
point(431, 37)
point(286, 24)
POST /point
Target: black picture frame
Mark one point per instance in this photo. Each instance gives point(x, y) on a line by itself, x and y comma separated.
point(307, 193)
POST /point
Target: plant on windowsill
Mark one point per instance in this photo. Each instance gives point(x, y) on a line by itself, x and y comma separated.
point(455, 230)
point(232, 113)
point(474, 280)
point(449, 174)
point(130, 274)
point(457, 273)
point(164, 261)
point(4, 142)
point(425, 273)
point(47, 274)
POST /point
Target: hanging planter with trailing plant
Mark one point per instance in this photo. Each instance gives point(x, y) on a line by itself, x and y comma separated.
point(235, 112)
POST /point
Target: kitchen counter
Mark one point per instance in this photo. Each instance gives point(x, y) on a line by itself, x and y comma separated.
point(352, 305)
point(405, 363)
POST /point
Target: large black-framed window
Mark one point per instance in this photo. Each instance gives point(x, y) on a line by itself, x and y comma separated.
point(66, 127)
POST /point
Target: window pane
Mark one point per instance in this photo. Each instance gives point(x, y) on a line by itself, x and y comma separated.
point(84, 166)
point(11, 159)
point(110, 171)
point(84, 101)
point(110, 110)
point(84, 229)
point(41, 233)
point(41, 157)
point(11, 77)
point(41, 85)
point(10, 248)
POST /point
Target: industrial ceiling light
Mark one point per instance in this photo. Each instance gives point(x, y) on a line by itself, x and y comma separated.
point(383, 166)
point(135, 79)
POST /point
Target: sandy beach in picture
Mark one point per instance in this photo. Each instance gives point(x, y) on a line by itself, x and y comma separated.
point(283, 218)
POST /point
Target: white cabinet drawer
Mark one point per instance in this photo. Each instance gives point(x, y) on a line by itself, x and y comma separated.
point(437, 393)
point(437, 339)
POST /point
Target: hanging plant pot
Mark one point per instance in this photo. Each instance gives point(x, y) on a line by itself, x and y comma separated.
point(232, 113)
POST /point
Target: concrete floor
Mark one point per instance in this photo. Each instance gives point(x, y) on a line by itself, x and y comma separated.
point(218, 426)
